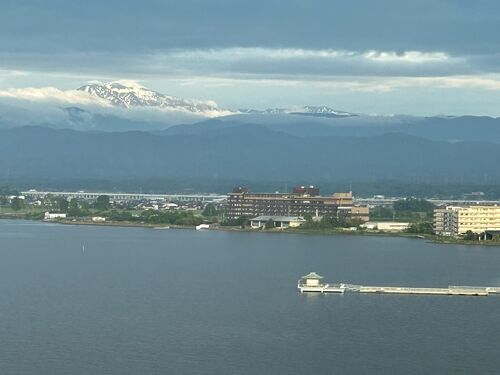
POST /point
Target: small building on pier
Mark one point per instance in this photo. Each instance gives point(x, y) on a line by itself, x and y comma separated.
point(312, 279)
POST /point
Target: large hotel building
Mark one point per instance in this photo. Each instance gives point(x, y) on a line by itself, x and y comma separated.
point(455, 221)
point(302, 201)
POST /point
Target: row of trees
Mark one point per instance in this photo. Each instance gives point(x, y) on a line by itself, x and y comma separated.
point(408, 209)
point(74, 207)
point(413, 205)
point(471, 236)
point(416, 210)
point(60, 204)
point(330, 222)
point(421, 228)
point(17, 204)
point(103, 205)
point(156, 217)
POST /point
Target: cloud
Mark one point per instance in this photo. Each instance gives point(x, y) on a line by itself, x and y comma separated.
point(287, 61)
point(127, 25)
point(270, 62)
point(52, 95)
point(298, 53)
point(411, 57)
point(128, 83)
point(352, 84)
point(229, 47)
point(490, 83)
point(80, 110)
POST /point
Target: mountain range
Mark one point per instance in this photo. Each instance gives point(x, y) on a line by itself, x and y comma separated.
point(131, 96)
point(251, 153)
point(133, 107)
point(307, 144)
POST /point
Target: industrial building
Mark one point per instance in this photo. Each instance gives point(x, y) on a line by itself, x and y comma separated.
point(457, 220)
point(301, 202)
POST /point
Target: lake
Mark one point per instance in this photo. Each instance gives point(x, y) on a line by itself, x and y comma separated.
point(145, 301)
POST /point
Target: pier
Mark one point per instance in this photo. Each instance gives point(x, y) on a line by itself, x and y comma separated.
point(312, 283)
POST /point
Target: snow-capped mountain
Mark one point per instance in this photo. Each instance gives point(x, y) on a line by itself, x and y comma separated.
point(135, 96)
point(268, 111)
point(324, 110)
point(308, 110)
point(130, 96)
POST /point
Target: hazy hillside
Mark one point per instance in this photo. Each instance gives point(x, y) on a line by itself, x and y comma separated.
point(452, 129)
point(241, 152)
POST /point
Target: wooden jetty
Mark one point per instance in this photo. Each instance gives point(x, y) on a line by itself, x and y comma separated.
point(312, 283)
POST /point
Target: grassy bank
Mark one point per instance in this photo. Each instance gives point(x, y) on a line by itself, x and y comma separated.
point(24, 213)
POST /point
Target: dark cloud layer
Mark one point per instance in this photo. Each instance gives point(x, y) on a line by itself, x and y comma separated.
point(459, 27)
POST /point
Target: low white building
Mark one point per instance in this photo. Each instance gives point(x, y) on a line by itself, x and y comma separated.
point(171, 206)
point(386, 226)
point(282, 222)
point(54, 216)
point(17, 196)
point(98, 219)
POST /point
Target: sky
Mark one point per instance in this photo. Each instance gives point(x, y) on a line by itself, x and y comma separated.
point(415, 57)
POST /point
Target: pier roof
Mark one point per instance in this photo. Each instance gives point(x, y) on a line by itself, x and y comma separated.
point(312, 275)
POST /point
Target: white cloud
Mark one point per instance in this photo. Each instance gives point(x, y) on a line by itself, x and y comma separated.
point(463, 82)
point(130, 83)
point(239, 53)
point(355, 83)
point(292, 61)
point(409, 57)
point(269, 62)
point(52, 94)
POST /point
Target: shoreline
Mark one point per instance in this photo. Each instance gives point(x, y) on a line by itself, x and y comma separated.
point(426, 237)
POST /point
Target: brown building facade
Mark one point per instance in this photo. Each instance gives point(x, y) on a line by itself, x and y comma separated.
point(242, 203)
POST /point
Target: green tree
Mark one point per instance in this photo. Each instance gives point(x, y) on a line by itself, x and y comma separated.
point(413, 205)
point(240, 222)
point(74, 209)
point(210, 210)
point(17, 204)
point(73, 204)
point(115, 215)
point(471, 236)
point(496, 238)
point(102, 202)
point(62, 204)
point(380, 212)
point(421, 228)
point(413, 209)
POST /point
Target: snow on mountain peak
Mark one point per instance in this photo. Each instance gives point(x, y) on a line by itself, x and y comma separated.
point(308, 110)
point(132, 95)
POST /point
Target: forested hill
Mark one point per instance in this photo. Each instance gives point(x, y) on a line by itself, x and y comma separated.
point(241, 153)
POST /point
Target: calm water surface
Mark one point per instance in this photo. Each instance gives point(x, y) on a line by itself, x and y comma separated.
point(143, 301)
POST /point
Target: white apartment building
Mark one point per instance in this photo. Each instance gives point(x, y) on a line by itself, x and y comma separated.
point(455, 221)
